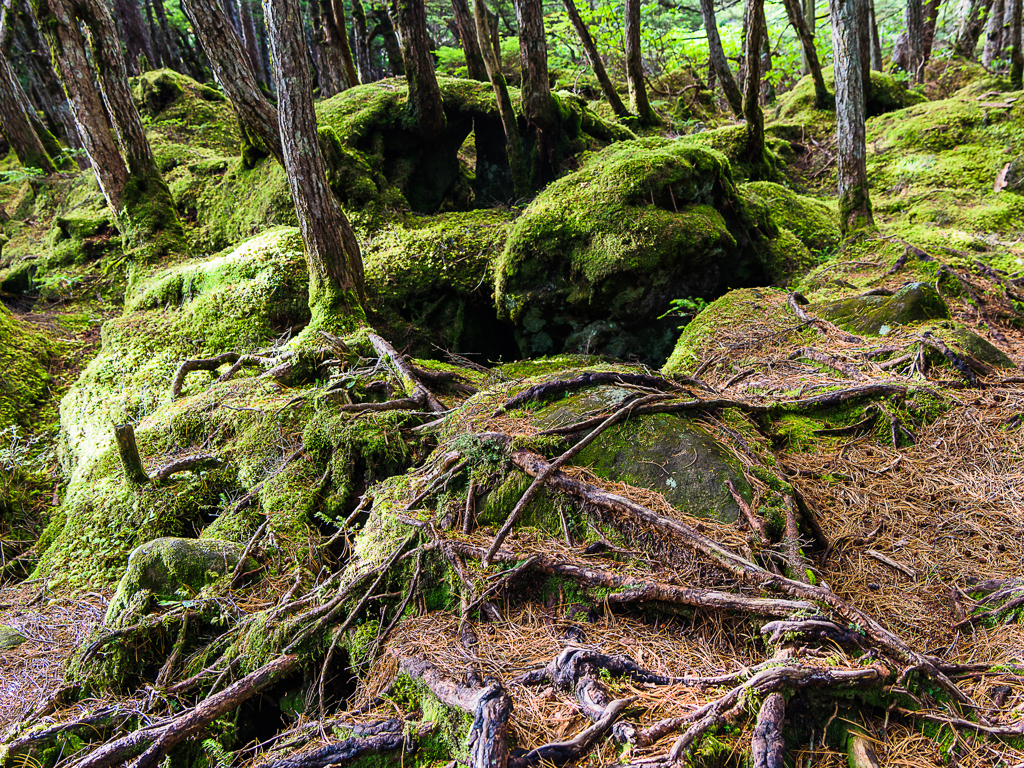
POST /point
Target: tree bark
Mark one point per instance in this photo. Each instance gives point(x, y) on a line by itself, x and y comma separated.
point(361, 43)
point(719, 63)
point(325, 49)
point(876, 43)
point(973, 15)
point(596, 63)
point(340, 35)
point(1016, 55)
point(635, 67)
point(767, 746)
point(172, 58)
point(538, 106)
point(752, 114)
point(822, 98)
point(993, 33)
point(466, 27)
point(809, 15)
point(231, 69)
point(15, 123)
point(931, 19)
point(136, 35)
point(854, 202)
point(249, 42)
point(332, 251)
point(424, 93)
point(513, 142)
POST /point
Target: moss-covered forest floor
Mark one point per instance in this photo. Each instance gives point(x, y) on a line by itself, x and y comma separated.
point(527, 514)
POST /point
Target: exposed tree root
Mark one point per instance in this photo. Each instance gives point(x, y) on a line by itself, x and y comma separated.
point(585, 381)
point(380, 738)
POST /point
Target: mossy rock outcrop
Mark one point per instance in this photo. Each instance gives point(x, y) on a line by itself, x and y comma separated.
point(667, 453)
point(879, 315)
point(170, 567)
point(812, 221)
point(596, 258)
point(24, 361)
point(10, 637)
point(964, 341)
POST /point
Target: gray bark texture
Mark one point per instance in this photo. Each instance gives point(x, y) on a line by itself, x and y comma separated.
point(634, 66)
point(719, 64)
point(136, 35)
point(767, 746)
point(332, 251)
point(822, 98)
point(1016, 55)
point(993, 33)
point(854, 203)
point(231, 69)
point(15, 123)
point(596, 63)
point(466, 26)
point(361, 43)
point(340, 35)
point(424, 93)
point(533, 52)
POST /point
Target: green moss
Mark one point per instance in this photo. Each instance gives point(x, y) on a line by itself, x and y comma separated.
point(25, 379)
point(887, 95)
point(811, 220)
point(915, 302)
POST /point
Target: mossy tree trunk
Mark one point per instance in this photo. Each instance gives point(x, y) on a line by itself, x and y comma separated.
point(15, 124)
point(109, 124)
point(231, 69)
point(854, 202)
point(339, 33)
point(466, 26)
point(513, 142)
point(993, 33)
point(596, 63)
point(822, 98)
point(361, 43)
point(136, 36)
point(538, 106)
point(756, 27)
point(385, 29)
point(635, 67)
point(424, 94)
point(719, 64)
point(809, 15)
point(973, 14)
point(1016, 55)
point(332, 251)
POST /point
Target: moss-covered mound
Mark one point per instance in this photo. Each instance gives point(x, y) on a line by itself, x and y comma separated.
point(26, 355)
point(810, 219)
point(598, 256)
point(887, 95)
point(880, 314)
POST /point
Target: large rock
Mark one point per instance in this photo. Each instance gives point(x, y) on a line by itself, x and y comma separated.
point(878, 315)
point(170, 567)
point(597, 257)
point(10, 637)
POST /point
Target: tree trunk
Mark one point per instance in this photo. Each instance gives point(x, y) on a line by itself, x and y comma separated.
point(635, 67)
point(249, 42)
point(822, 98)
point(993, 34)
point(138, 198)
point(340, 34)
point(159, 55)
point(361, 43)
point(325, 52)
point(972, 23)
point(864, 36)
point(424, 94)
point(231, 69)
point(538, 106)
point(266, 77)
point(1016, 55)
point(876, 43)
point(513, 142)
point(332, 251)
point(809, 15)
point(172, 57)
point(854, 202)
point(15, 123)
point(466, 27)
point(587, 40)
point(718, 61)
point(931, 19)
point(752, 114)
point(136, 35)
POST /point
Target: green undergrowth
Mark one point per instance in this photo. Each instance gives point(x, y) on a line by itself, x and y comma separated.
point(26, 357)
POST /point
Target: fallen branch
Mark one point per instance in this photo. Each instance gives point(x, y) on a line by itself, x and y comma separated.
point(388, 737)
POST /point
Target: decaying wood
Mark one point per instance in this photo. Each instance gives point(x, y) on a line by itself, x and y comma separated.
point(128, 450)
point(389, 736)
point(767, 746)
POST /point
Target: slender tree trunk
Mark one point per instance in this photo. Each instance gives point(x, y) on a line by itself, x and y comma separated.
point(864, 36)
point(718, 61)
point(635, 66)
point(170, 45)
point(231, 69)
point(876, 43)
point(596, 63)
point(809, 15)
point(15, 123)
point(513, 142)
point(361, 43)
point(1016, 55)
point(261, 29)
point(993, 34)
point(752, 114)
point(854, 202)
point(324, 49)
point(138, 198)
point(822, 98)
point(466, 27)
point(973, 14)
point(136, 36)
point(249, 42)
point(159, 54)
point(332, 251)
point(931, 19)
point(538, 106)
point(424, 93)
point(340, 34)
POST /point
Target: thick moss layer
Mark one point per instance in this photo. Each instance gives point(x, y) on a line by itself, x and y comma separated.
point(599, 254)
point(887, 95)
point(25, 379)
point(879, 315)
point(811, 220)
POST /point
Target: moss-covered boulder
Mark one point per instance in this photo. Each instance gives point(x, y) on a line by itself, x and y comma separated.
point(667, 453)
point(172, 568)
point(880, 314)
point(813, 222)
point(25, 356)
point(10, 637)
point(596, 258)
point(887, 95)
point(966, 342)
